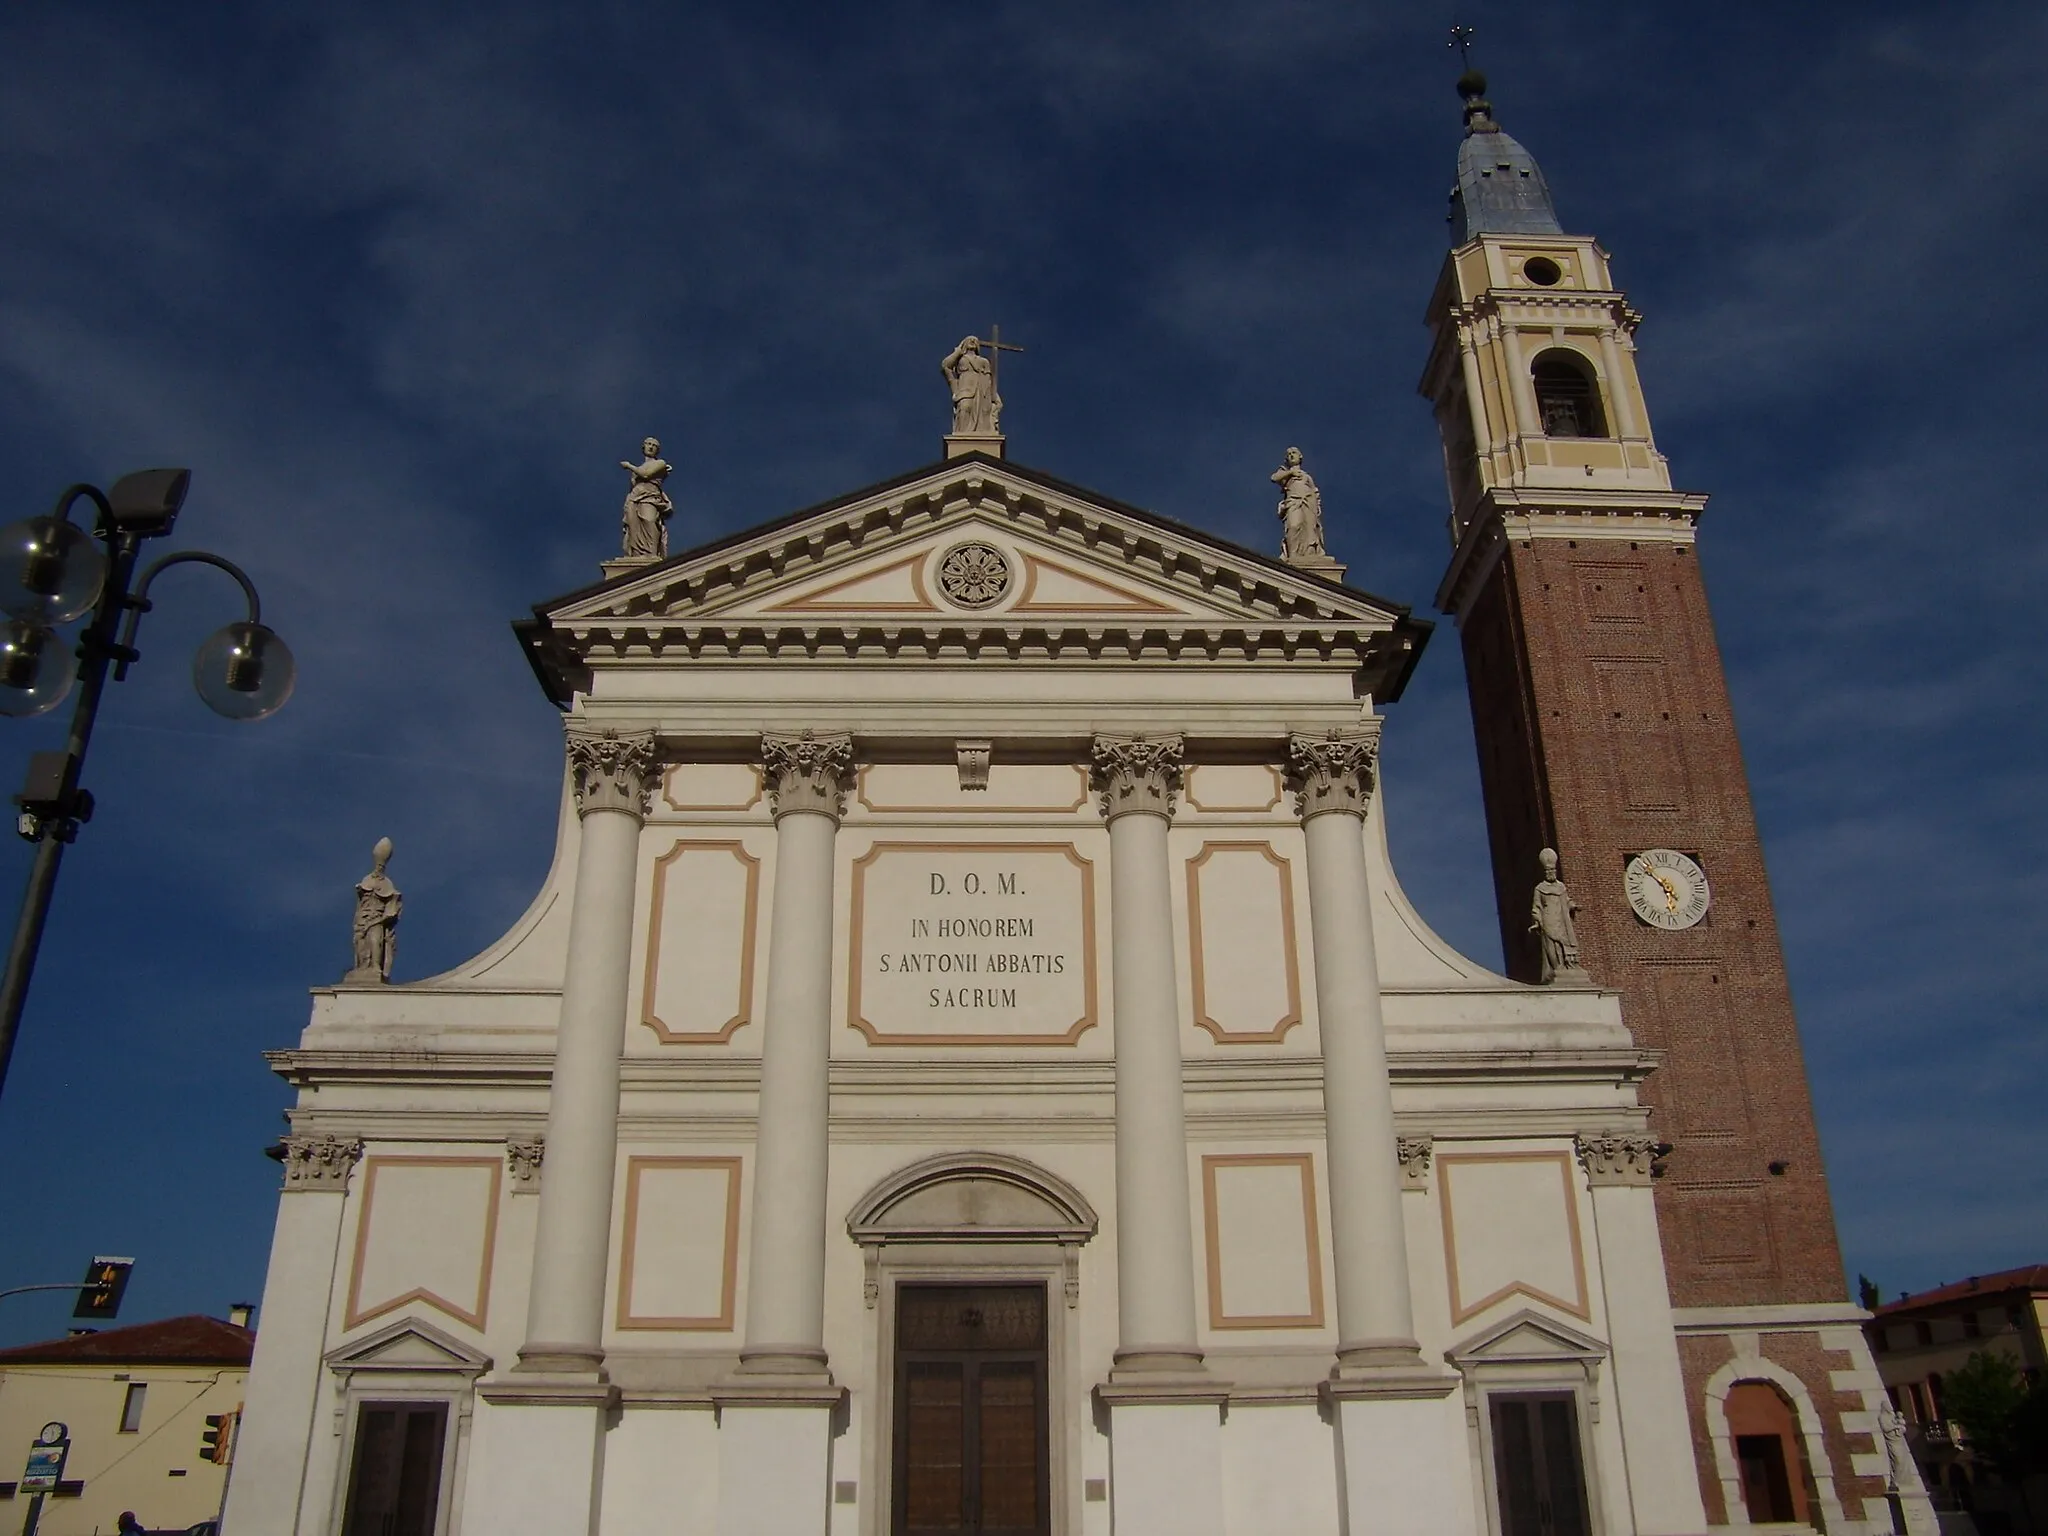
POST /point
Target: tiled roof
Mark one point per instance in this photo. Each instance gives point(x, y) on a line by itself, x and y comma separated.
point(2029, 1277)
point(191, 1340)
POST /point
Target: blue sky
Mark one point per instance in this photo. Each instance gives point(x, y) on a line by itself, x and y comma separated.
point(401, 284)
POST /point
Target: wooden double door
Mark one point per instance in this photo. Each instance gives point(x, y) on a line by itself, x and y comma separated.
point(972, 1430)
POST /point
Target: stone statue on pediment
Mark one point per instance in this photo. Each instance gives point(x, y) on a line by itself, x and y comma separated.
point(1301, 512)
point(376, 925)
point(976, 408)
point(645, 521)
point(1550, 918)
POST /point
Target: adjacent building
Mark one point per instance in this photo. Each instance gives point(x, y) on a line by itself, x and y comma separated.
point(138, 1403)
point(1920, 1340)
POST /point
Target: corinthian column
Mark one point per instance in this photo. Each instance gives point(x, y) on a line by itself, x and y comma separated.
point(1332, 779)
point(614, 777)
point(806, 780)
point(1138, 780)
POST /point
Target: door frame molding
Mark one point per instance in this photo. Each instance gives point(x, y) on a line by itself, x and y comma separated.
point(1036, 1240)
point(1529, 1352)
point(412, 1361)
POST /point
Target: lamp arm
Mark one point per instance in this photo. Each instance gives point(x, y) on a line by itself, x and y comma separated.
point(65, 1285)
point(138, 604)
point(61, 513)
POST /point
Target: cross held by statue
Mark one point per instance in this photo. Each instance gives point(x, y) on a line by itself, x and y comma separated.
point(996, 348)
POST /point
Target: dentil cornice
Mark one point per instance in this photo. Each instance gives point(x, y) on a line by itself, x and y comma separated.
point(1136, 773)
point(807, 772)
point(1334, 772)
point(613, 771)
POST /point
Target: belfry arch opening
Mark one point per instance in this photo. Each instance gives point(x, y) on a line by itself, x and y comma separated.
point(1567, 395)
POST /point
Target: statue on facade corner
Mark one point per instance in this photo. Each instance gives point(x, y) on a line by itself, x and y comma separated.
point(976, 407)
point(376, 926)
point(1301, 511)
point(1550, 918)
point(645, 522)
point(1898, 1458)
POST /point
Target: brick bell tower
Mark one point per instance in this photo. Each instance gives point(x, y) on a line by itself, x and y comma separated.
point(1605, 732)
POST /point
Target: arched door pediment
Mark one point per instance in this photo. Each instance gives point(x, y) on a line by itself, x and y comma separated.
point(969, 1197)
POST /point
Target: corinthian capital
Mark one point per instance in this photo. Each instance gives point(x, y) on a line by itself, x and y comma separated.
point(318, 1162)
point(1333, 772)
point(613, 772)
point(1136, 773)
point(1610, 1159)
point(807, 772)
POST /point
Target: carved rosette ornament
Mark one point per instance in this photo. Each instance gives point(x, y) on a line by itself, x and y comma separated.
point(1332, 773)
point(1137, 773)
point(613, 772)
point(1610, 1159)
point(319, 1162)
point(1415, 1153)
point(522, 1162)
point(807, 773)
point(974, 574)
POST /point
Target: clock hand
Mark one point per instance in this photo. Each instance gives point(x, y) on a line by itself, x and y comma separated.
point(1670, 892)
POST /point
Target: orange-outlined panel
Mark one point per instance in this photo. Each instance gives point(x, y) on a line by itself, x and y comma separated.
point(1085, 1020)
point(474, 1309)
point(728, 1258)
point(1226, 1031)
point(1312, 1249)
point(743, 989)
point(1447, 1165)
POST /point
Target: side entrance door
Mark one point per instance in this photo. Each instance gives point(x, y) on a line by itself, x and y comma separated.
point(395, 1477)
point(971, 1423)
point(1537, 1472)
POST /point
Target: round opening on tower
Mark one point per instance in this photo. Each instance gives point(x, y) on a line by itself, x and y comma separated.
point(1542, 271)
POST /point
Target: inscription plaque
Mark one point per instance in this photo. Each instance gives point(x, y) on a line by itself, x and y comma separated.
point(973, 944)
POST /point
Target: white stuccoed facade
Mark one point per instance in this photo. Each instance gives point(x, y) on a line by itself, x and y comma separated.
point(639, 1200)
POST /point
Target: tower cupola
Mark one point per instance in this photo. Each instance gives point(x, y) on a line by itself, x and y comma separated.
point(1500, 190)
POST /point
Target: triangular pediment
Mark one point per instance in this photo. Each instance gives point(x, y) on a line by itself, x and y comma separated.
point(984, 552)
point(1526, 1338)
point(409, 1345)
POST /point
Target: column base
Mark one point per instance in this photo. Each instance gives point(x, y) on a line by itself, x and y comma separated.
point(1147, 1363)
point(797, 1364)
point(774, 1465)
point(1403, 1452)
point(561, 1360)
point(1165, 1466)
point(1387, 1368)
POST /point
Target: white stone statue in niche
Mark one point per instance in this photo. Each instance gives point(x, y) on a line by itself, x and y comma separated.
point(645, 522)
point(1550, 918)
point(1301, 511)
point(376, 927)
point(976, 407)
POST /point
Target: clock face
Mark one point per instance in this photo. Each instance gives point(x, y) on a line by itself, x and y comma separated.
point(1666, 889)
point(53, 1432)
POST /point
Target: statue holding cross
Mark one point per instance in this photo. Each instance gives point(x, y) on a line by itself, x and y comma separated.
point(977, 407)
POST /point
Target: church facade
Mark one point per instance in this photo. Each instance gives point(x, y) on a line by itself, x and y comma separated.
point(972, 1067)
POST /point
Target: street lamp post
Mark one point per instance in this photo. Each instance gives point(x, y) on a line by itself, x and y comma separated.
point(51, 573)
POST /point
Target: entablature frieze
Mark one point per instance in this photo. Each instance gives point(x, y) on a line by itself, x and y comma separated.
point(1488, 1080)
